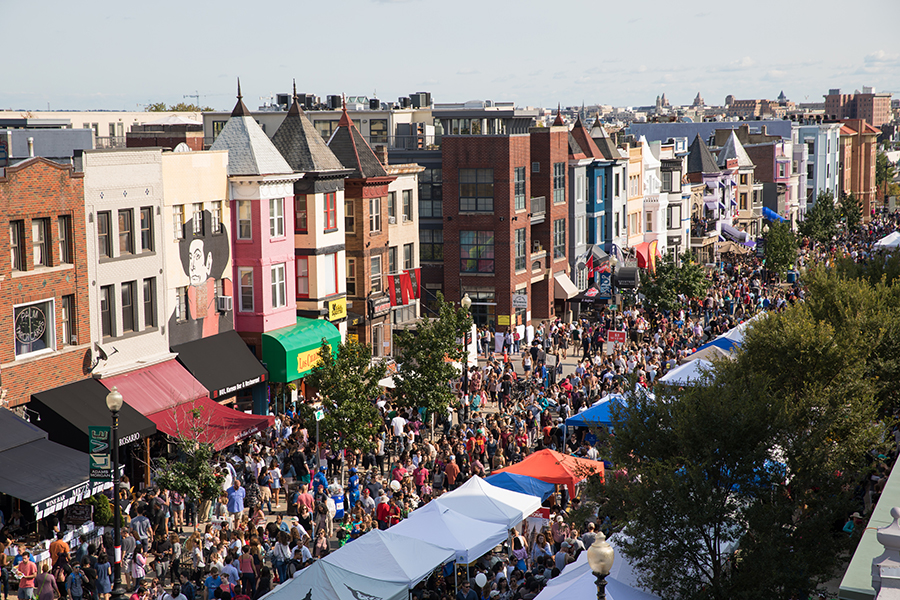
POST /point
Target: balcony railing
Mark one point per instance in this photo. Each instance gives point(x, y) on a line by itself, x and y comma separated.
point(117, 141)
point(538, 209)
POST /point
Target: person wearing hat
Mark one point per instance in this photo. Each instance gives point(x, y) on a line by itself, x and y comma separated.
point(560, 531)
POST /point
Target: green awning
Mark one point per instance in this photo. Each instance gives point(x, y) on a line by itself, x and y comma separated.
point(291, 352)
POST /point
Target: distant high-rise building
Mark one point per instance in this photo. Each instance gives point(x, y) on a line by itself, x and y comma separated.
point(873, 108)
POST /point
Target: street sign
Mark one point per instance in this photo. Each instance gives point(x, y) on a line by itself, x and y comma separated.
point(99, 439)
point(618, 337)
point(520, 300)
point(320, 414)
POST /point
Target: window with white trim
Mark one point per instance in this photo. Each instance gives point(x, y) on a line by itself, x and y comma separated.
point(279, 286)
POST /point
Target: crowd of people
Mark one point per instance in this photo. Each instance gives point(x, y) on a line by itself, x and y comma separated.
point(285, 503)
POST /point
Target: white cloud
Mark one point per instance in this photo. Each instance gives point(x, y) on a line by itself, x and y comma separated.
point(468, 71)
point(741, 64)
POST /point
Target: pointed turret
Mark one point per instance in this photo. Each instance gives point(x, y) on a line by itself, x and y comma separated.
point(559, 120)
point(734, 149)
point(301, 145)
point(700, 159)
point(351, 149)
point(240, 109)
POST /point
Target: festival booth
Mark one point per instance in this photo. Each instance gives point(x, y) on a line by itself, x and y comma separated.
point(577, 582)
point(324, 581)
point(390, 557)
point(598, 414)
point(890, 241)
point(690, 373)
point(553, 467)
point(470, 538)
point(478, 499)
point(726, 344)
point(522, 484)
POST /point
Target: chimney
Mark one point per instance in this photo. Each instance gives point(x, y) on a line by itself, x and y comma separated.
point(382, 153)
point(31, 147)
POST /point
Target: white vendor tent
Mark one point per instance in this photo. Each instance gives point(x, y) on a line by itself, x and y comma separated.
point(469, 537)
point(690, 373)
point(390, 557)
point(480, 500)
point(322, 581)
point(577, 582)
point(892, 240)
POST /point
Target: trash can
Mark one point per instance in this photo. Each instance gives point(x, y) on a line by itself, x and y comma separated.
point(338, 506)
point(792, 276)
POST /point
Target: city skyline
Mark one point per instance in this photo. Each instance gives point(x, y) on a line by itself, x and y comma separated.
point(117, 57)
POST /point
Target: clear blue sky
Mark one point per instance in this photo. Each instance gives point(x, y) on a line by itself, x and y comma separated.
point(105, 54)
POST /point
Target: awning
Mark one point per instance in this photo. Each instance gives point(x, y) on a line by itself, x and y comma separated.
point(291, 352)
point(157, 387)
point(734, 233)
point(222, 363)
point(208, 421)
point(67, 411)
point(563, 287)
point(628, 277)
point(47, 475)
point(771, 215)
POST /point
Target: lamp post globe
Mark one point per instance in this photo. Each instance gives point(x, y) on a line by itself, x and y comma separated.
point(466, 302)
point(114, 401)
point(600, 556)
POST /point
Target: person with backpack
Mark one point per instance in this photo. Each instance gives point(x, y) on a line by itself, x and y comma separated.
point(75, 583)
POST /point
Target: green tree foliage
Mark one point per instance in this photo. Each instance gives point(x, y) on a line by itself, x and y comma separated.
point(191, 473)
point(424, 368)
point(781, 247)
point(103, 510)
point(347, 382)
point(884, 169)
point(662, 288)
point(156, 107)
point(851, 211)
point(761, 456)
point(821, 221)
point(180, 107)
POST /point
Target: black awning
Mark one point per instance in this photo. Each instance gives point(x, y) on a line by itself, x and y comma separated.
point(67, 412)
point(47, 475)
point(628, 277)
point(222, 363)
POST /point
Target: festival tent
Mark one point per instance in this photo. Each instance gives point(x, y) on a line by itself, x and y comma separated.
point(468, 537)
point(892, 240)
point(478, 499)
point(324, 581)
point(598, 414)
point(553, 467)
point(687, 374)
point(522, 484)
point(390, 557)
point(577, 582)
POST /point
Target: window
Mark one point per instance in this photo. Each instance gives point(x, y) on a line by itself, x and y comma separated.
point(378, 131)
point(197, 218)
point(126, 231)
point(520, 248)
point(178, 221)
point(279, 286)
point(559, 182)
point(128, 320)
point(431, 245)
point(349, 217)
point(667, 181)
point(326, 128)
point(392, 260)
point(301, 223)
point(535, 167)
point(743, 201)
point(106, 310)
point(781, 169)
point(617, 225)
point(407, 256)
point(216, 217)
point(430, 193)
point(403, 314)
point(302, 277)
point(559, 238)
point(649, 222)
point(16, 254)
point(673, 216)
point(245, 220)
point(245, 277)
point(351, 276)
point(618, 185)
point(218, 126)
point(375, 274)
point(103, 244)
point(67, 318)
point(374, 214)
point(330, 211)
point(150, 302)
point(392, 207)
point(476, 251)
point(521, 313)
point(65, 239)
point(35, 327)
point(276, 217)
point(328, 277)
point(407, 206)
point(181, 304)
point(146, 229)
point(483, 306)
point(744, 179)
point(579, 230)
point(40, 242)
point(519, 187)
point(476, 190)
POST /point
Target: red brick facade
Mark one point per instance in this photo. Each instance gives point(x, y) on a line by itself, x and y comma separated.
point(41, 189)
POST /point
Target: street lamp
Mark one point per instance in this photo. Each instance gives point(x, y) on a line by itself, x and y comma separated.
point(466, 304)
point(114, 402)
point(600, 558)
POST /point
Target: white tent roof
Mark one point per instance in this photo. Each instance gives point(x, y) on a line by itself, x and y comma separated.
point(687, 374)
point(390, 557)
point(892, 240)
point(480, 500)
point(323, 581)
point(468, 537)
point(576, 582)
point(174, 120)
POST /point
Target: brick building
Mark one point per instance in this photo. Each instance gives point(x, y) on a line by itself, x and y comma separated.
point(858, 150)
point(44, 304)
point(871, 107)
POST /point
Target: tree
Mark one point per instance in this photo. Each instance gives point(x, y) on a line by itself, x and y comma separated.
point(180, 107)
point(426, 358)
point(156, 107)
point(661, 289)
point(820, 222)
point(850, 211)
point(191, 473)
point(347, 381)
point(781, 247)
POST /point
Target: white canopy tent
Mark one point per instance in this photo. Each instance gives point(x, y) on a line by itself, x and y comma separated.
point(390, 557)
point(480, 500)
point(690, 373)
point(323, 581)
point(892, 240)
point(469, 538)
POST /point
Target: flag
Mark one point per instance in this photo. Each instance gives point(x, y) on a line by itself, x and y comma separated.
point(652, 251)
point(590, 266)
point(406, 289)
point(392, 291)
point(416, 276)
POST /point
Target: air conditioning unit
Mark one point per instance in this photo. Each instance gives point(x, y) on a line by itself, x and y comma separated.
point(392, 220)
point(224, 303)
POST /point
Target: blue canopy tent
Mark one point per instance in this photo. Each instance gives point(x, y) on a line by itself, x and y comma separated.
point(598, 414)
point(771, 215)
point(522, 484)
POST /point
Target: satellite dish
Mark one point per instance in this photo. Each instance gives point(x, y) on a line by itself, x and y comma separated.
point(182, 147)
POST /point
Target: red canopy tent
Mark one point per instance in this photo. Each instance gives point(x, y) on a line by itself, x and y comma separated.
point(553, 467)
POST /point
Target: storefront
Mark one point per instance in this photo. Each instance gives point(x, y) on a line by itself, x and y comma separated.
point(290, 353)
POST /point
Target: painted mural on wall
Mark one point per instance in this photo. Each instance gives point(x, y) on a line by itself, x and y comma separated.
point(205, 259)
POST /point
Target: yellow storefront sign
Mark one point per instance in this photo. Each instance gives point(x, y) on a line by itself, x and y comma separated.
point(307, 361)
point(337, 309)
point(502, 319)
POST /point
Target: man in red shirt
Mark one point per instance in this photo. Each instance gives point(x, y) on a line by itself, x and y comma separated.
point(28, 571)
point(451, 471)
point(383, 513)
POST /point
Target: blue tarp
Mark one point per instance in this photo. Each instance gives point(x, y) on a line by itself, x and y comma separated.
point(522, 484)
point(597, 415)
point(771, 215)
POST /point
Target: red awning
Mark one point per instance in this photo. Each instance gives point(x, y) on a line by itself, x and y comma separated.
point(553, 467)
point(208, 421)
point(157, 387)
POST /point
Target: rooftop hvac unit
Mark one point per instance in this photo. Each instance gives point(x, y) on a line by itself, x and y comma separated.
point(335, 102)
point(283, 99)
point(404, 102)
point(374, 104)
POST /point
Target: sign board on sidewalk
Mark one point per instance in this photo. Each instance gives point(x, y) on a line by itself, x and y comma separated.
point(320, 414)
point(99, 439)
point(618, 337)
point(520, 301)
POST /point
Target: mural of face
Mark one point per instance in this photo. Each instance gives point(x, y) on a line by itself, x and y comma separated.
point(199, 271)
